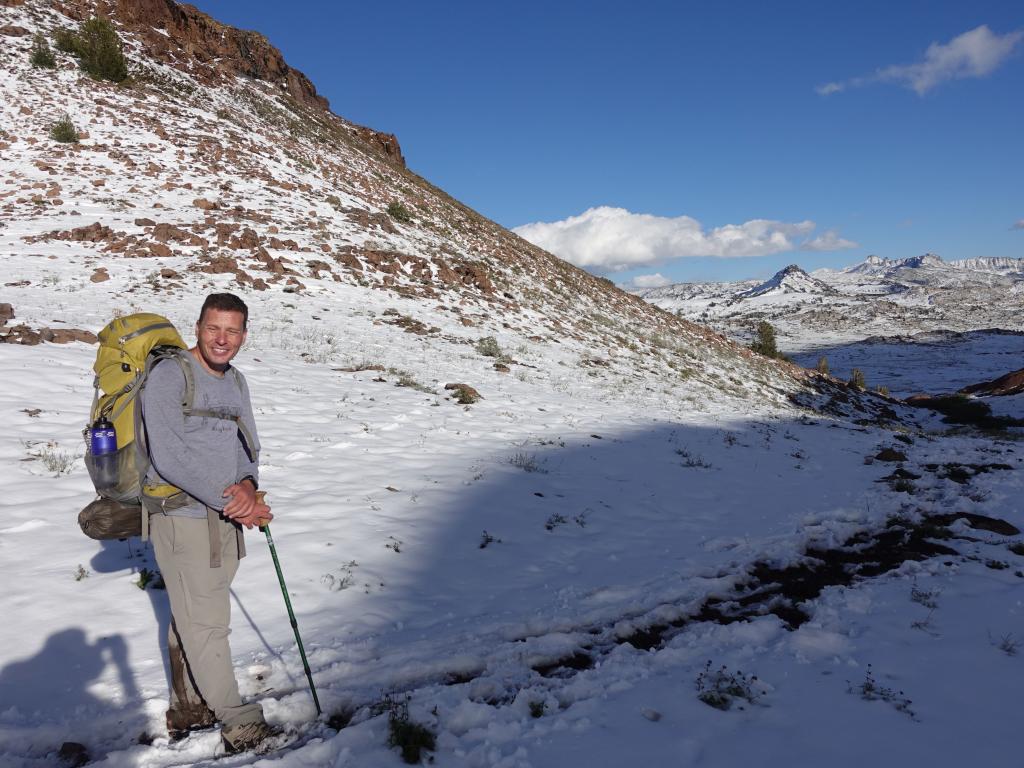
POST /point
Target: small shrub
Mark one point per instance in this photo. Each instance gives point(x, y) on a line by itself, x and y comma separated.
point(488, 347)
point(399, 212)
point(42, 57)
point(395, 545)
point(527, 462)
point(1008, 644)
point(488, 539)
point(822, 366)
point(67, 41)
point(57, 461)
point(882, 390)
point(81, 573)
point(554, 521)
point(926, 597)
point(870, 690)
point(64, 131)
point(692, 460)
point(150, 580)
point(857, 379)
point(406, 379)
point(721, 688)
point(411, 737)
point(536, 709)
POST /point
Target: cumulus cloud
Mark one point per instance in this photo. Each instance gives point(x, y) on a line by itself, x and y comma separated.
point(614, 239)
point(828, 240)
point(1019, 224)
point(975, 53)
point(657, 280)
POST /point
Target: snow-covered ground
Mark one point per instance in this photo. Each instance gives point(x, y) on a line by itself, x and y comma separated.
point(506, 564)
point(605, 518)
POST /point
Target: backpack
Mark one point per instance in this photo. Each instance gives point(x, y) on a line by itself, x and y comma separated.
point(129, 348)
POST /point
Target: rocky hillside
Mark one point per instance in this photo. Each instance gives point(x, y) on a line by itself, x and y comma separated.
point(215, 164)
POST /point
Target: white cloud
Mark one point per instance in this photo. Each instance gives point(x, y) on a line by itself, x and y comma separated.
point(828, 88)
point(614, 239)
point(975, 53)
point(828, 240)
point(657, 280)
point(1019, 224)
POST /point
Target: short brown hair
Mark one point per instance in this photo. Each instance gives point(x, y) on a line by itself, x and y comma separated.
point(225, 302)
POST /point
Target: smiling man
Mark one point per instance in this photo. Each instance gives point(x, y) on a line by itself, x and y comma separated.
point(200, 491)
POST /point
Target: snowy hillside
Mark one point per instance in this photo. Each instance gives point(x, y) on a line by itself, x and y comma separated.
point(546, 573)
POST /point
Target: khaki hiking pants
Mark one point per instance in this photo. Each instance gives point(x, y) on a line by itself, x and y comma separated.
point(197, 641)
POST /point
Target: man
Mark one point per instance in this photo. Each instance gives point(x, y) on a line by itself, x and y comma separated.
point(200, 491)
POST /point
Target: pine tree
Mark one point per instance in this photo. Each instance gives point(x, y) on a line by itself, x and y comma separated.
point(764, 343)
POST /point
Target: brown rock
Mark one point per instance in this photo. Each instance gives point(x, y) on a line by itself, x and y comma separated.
point(67, 335)
point(99, 276)
point(21, 334)
point(6, 313)
point(464, 393)
point(220, 265)
point(161, 250)
point(169, 274)
point(93, 233)
point(164, 232)
point(10, 30)
point(206, 205)
point(143, 222)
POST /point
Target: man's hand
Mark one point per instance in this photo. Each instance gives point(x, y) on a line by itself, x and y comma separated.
point(246, 505)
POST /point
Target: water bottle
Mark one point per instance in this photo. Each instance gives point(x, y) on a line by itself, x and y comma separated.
point(103, 447)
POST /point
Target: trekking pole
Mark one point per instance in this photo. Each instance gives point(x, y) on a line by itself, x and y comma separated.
point(291, 614)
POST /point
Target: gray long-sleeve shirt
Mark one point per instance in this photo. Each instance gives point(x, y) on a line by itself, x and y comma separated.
point(200, 455)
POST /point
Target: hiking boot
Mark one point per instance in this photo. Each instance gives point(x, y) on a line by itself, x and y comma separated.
point(249, 736)
point(182, 721)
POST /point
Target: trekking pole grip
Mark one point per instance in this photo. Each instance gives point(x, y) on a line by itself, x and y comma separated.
point(261, 499)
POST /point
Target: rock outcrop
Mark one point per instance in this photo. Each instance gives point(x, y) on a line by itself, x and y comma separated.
point(187, 39)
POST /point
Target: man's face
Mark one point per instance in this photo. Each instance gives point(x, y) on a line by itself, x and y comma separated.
point(219, 334)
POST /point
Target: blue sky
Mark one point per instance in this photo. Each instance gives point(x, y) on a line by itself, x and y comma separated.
point(691, 140)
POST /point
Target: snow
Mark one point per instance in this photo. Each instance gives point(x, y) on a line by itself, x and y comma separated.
point(447, 552)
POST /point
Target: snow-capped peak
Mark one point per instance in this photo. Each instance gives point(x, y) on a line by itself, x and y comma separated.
point(791, 279)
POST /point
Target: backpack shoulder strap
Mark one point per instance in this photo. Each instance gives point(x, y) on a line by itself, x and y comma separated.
point(243, 431)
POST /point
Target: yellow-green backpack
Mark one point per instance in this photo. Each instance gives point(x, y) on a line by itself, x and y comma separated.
point(129, 348)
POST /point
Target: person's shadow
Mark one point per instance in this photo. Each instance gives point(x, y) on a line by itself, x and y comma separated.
point(51, 689)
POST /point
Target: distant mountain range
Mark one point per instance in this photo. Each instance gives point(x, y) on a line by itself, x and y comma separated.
point(878, 297)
